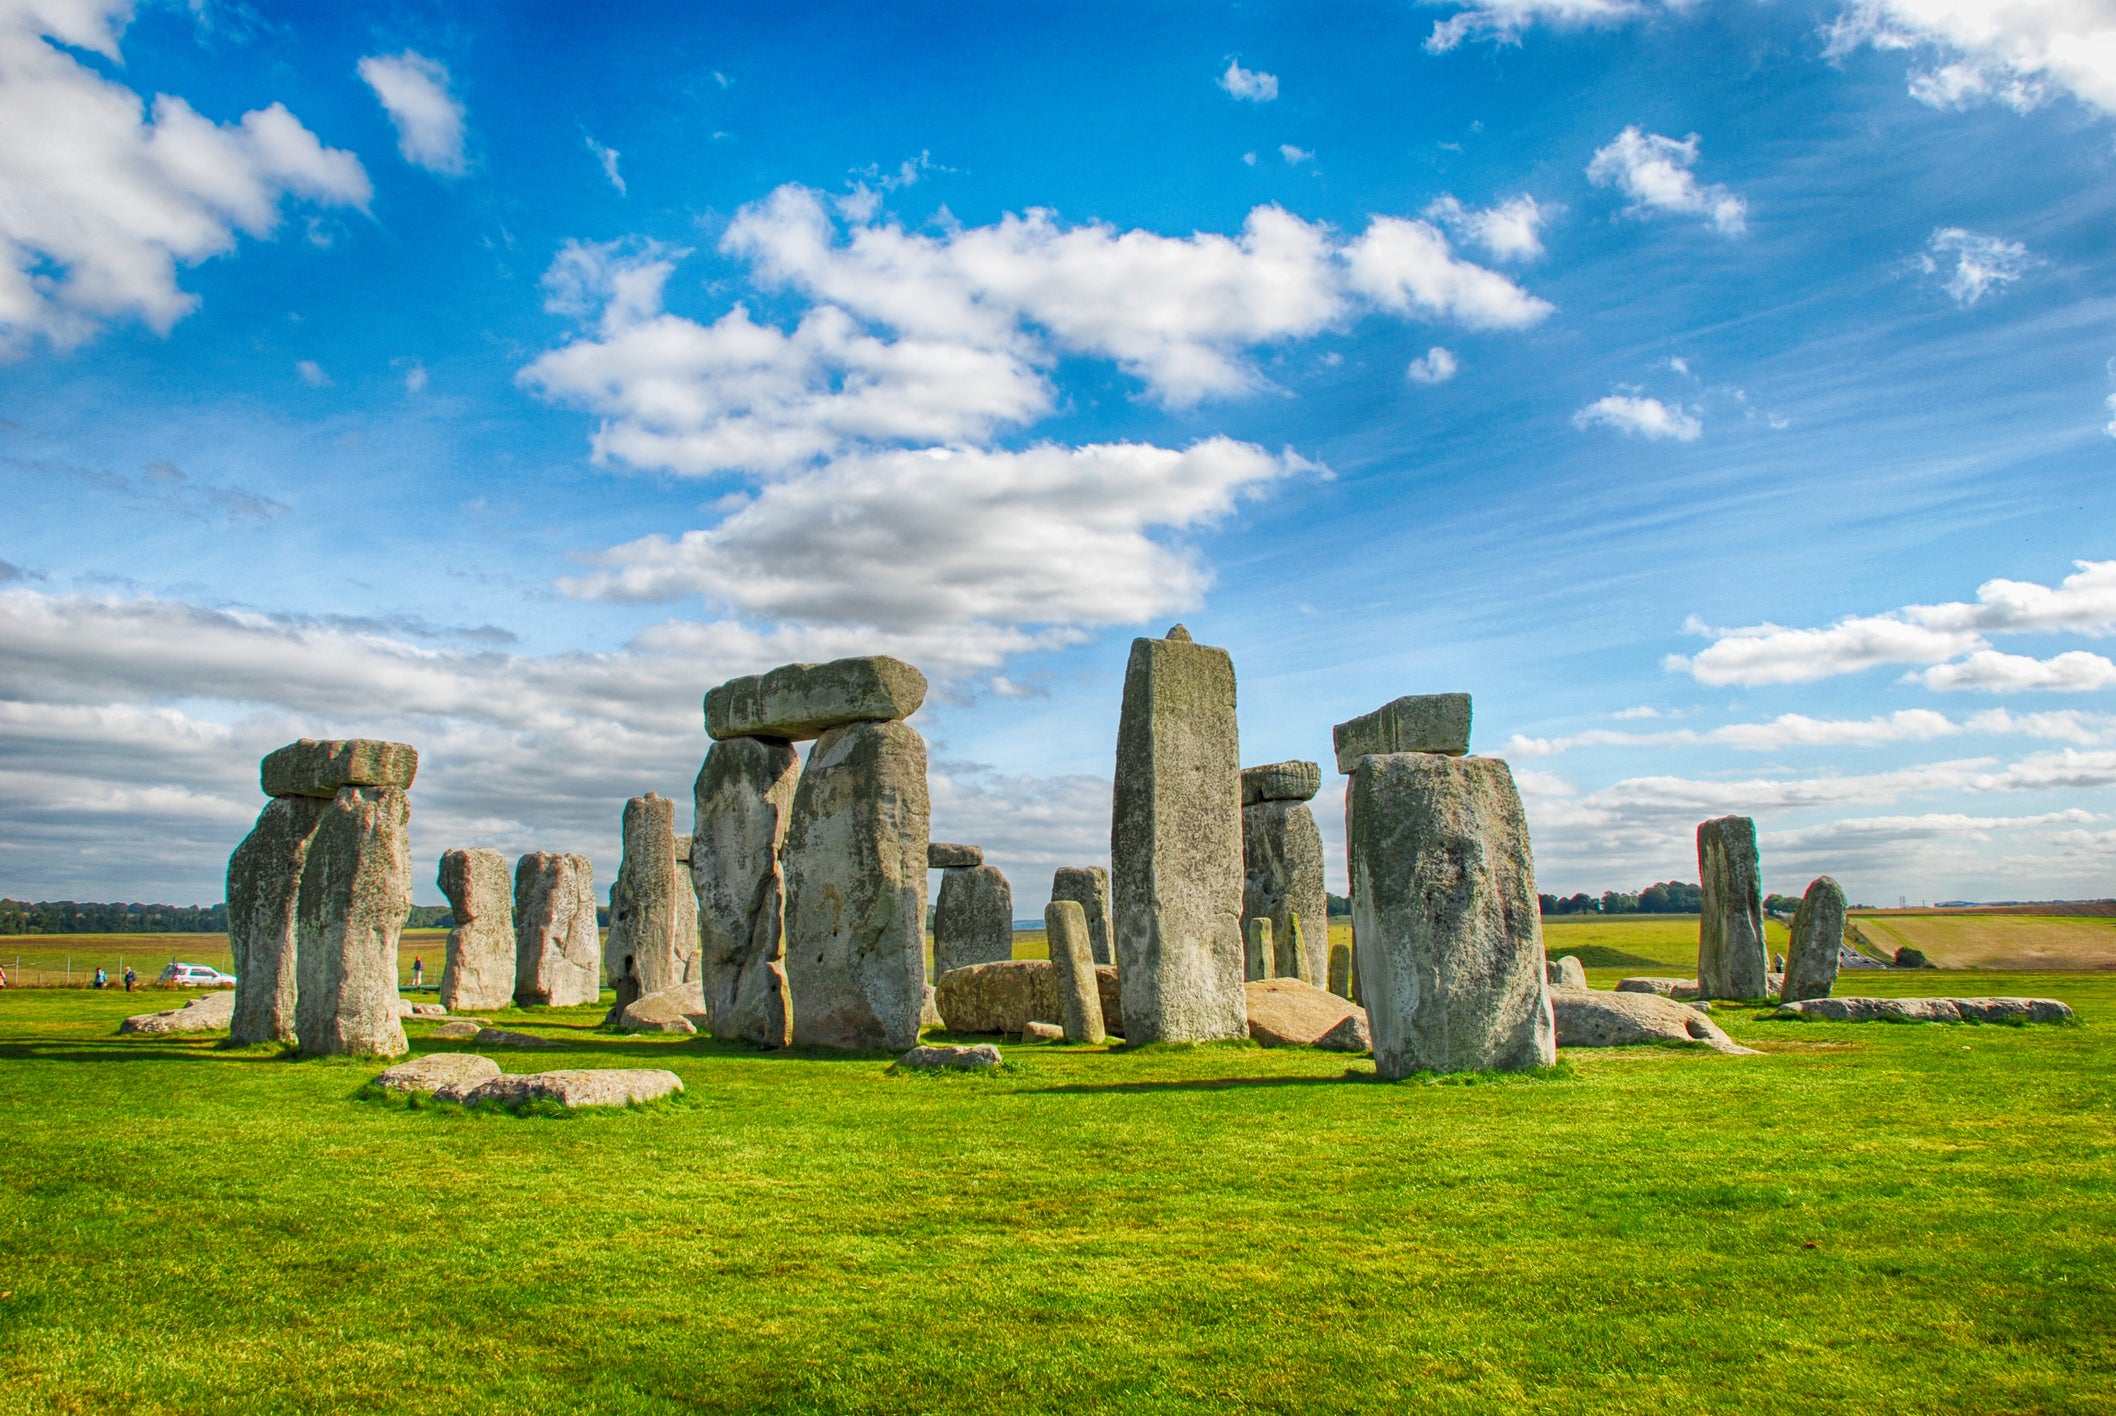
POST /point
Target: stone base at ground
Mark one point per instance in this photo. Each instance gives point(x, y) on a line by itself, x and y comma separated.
point(500, 1037)
point(1591, 1019)
point(956, 1059)
point(1042, 1032)
point(459, 1028)
point(999, 998)
point(1284, 1012)
point(1566, 972)
point(437, 1070)
point(672, 1011)
point(1927, 1010)
point(211, 1013)
point(604, 1086)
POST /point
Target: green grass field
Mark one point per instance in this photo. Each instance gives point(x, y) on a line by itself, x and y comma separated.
point(1865, 1219)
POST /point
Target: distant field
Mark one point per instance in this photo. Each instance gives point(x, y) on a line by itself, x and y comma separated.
point(1996, 941)
point(49, 960)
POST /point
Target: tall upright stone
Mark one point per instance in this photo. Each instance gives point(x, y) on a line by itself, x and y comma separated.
point(1088, 887)
point(355, 895)
point(1731, 959)
point(743, 799)
point(264, 888)
point(1450, 940)
point(478, 971)
point(1259, 957)
point(1079, 991)
point(855, 866)
point(1176, 845)
point(1818, 939)
point(973, 920)
point(1282, 863)
point(1341, 970)
point(653, 943)
point(557, 944)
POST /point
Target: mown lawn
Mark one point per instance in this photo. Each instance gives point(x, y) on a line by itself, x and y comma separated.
point(1866, 1219)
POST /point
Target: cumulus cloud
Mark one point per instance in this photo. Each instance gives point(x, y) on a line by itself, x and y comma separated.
point(1248, 84)
point(1295, 156)
point(1407, 267)
point(102, 196)
point(1973, 265)
point(1654, 172)
point(413, 90)
point(2014, 52)
point(1510, 231)
point(1636, 416)
point(1504, 21)
point(1989, 671)
point(1435, 366)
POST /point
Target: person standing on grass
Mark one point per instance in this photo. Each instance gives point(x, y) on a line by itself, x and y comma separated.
point(102, 977)
point(418, 971)
point(130, 978)
point(3, 978)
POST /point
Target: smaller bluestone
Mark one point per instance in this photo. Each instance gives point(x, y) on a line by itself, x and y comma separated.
point(1079, 991)
point(1341, 970)
point(1259, 959)
point(1418, 722)
point(1088, 886)
point(800, 701)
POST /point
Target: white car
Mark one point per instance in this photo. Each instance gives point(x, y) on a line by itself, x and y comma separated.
point(196, 976)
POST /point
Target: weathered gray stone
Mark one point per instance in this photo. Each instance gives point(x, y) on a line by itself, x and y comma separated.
point(264, 888)
point(1259, 956)
point(999, 998)
point(1351, 1035)
point(1450, 937)
point(1088, 887)
point(1586, 1018)
point(1282, 879)
point(929, 1013)
point(1281, 781)
point(1927, 1010)
point(1418, 722)
point(855, 864)
point(945, 855)
point(673, 1012)
point(683, 849)
point(1176, 845)
point(1035, 1031)
point(1665, 987)
point(799, 701)
point(743, 800)
point(572, 1089)
point(557, 945)
point(973, 920)
point(478, 971)
point(1073, 966)
point(953, 1059)
point(1566, 972)
point(1731, 960)
point(501, 1037)
point(355, 894)
point(318, 769)
point(208, 1014)
point(653, 941)
point(1817, 942)
point(404, 1009)
point(1341, 971)
point(437, 1070)
point(434, 1010)
point(1286, 1012)
point(459, 1029)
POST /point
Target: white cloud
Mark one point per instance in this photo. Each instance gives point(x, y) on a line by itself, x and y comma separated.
point(1792, 730)
point(1648, 418)
point(1654, 172)
point(1435, 366)
point(415, 378)
point(608, 156)
point(312, 373)
point(101, 199)
point(1981, 264)
point(1248, 84)
point(1989, 671)
point(413, 90)
point(1407, 267)
point(1504, 21)
point(1510, 231)
point(2013, 52)
point(1295, 155)
point(2110, 428)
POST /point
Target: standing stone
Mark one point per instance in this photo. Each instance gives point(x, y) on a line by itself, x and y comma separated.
point(1450, 938)
point(264, 888)
point(973, 920)
point(1088, 887)
point(1259, 958)
point(1818, 938)
point(855, 864)
point(1176, 845)
point(1731, 961)
point(1282, 864)
point(1341, 970)
point(355, 894)
point(479, 968)
point(1079, 992)
point(1418, 722)
point(557, 945)
point(801, 701)
point(1294, 960)
point(744, 794)
point(653, 943)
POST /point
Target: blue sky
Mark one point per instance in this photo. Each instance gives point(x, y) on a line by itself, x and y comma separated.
point(1721, 393)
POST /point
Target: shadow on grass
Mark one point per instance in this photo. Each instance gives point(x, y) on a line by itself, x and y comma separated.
point(117, 1051)
point(1206, 1084)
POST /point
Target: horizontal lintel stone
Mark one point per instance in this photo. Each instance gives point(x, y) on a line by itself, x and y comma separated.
point(1417, 722)
point(796, 702)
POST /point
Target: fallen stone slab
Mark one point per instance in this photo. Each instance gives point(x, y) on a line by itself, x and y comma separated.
point(953, 1059)
point(1927, 1010)
point(999, 998)
point(799, 701)
point(458, 1028)
point(1417, 722)
point(429, 1010)
point(208, 1014)
point(945, 855)
point(1683, 988)
point(313, 768)
point(674, 1011)
point(1593, 1019)
point(1286, 1012)
point(1281, 781)
point(1033, 1031)
point(601, 1086)
point(1565, 972)
point(437, 1070)
point(500, 1037)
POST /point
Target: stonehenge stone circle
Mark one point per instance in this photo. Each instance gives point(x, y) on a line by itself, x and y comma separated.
point(478, 971)
point(1176, 845)
point(311, 768)
point(973, 920)
point(653, 941)
point(1079, 991)
point(1282, 867)
point(1418, 722)
point(1281, 781)
point(557, 945)
point(855, 866)
point(742, 801)
point(264, 887)
point(1259, 957)
point(355, 895)
point(1450, 938)
point(1818, 939)
point(1731, 961)
point(800, 701)
point(943, 855)
point(1088, 887)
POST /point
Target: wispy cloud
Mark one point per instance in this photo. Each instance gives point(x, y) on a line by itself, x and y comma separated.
point(1970, 266)
point(414, 91)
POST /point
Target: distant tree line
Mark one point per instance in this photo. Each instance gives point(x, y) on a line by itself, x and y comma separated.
point(85, 917)
point(1666, 897)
